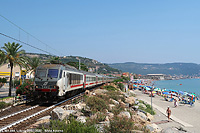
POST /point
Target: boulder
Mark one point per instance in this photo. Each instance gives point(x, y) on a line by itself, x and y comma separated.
point(81, 119)
point(100, 91)
point(130, 100)
point(142, 105)
point(149, 117)
point(136, 131)
point(138, 119)
point(135, 107)
point(142, 115)
point(114, 101)
point(132, 92)
point(110, 115)
point(42, 122)
point(48, 117)
point(123, 104)
point(59, 113)
point(76, 113)
point(154, 128)
point(78, 106)
point(111, 106)
point(124, 114)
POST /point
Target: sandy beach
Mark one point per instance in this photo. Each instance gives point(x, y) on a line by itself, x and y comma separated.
point(183, 115)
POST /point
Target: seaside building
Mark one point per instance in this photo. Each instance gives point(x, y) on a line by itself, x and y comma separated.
point(5, 72)
point(156, 76)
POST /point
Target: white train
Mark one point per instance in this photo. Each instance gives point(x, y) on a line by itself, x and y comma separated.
point(54, 81)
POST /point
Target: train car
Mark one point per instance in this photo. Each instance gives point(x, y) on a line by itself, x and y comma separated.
point(53, 81)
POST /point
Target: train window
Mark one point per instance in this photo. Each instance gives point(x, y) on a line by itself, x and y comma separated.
point(60, 74)
point(53, 73)
point(41, 72)
point(64, 74)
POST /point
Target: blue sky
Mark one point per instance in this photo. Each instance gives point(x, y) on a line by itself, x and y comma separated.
point(110, 31)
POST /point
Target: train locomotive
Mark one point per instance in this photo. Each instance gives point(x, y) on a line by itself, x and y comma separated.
point(56, 81)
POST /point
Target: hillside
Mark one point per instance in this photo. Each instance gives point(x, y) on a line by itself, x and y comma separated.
point(168, 68)
point(92, 65)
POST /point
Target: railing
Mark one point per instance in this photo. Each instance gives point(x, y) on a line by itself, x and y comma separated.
point(19, 100)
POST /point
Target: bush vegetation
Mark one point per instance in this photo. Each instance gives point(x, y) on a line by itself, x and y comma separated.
point(117, 109)
point(110, 88)
point(25, 89)
point(148, 108)
point(4, 105)
point(120, 125)
point(100, 116)
point(73, 126)
point(116, 95)
point(96, 104)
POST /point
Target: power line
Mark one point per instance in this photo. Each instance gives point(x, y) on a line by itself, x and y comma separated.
point(29, 34)
point(25, 43)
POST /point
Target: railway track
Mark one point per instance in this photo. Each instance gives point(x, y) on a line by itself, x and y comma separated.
point(19, 121)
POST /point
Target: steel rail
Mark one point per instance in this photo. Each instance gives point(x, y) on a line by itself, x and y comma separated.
point(18, 112)
point(33, 115)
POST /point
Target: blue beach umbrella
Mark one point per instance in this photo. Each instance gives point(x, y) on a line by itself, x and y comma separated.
point(147, 88)
point(174, 90)
point(180, 92)
point(167, 93)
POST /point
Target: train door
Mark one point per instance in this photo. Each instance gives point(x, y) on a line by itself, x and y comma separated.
point(84, 82)
point(67, 81)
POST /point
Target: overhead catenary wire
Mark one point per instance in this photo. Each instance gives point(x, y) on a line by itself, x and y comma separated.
point(29, 34)
point(26, 43)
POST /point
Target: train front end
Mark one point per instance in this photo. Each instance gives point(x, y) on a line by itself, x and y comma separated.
point(46, 77)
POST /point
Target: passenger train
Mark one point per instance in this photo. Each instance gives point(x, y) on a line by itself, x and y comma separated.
point(56, 81)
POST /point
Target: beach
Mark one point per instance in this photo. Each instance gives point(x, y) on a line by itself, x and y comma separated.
point(183, 115)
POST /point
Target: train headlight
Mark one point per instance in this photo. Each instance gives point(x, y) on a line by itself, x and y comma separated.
point(54, 87)
point(36, 86)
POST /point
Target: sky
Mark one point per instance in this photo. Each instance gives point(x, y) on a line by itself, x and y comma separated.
point(109, 31)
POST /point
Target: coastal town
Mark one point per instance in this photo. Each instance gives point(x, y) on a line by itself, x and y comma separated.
point(99, 66)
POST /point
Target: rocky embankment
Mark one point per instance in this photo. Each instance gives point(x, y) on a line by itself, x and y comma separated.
point(108, 109)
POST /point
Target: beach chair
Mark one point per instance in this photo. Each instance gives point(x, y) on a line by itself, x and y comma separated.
point(171, 100)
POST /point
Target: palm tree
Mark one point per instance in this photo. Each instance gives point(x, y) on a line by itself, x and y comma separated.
point(54, 60)
point(33, 63)
point(12, 54)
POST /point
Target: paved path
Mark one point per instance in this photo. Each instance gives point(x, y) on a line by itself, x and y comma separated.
point(183, 115)
point(4, 92)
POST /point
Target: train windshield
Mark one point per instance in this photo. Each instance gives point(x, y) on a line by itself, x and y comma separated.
point(41, 72)
point(53, 73)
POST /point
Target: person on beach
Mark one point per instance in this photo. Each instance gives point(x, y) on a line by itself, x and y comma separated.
point(168, 113)
point(175, 103)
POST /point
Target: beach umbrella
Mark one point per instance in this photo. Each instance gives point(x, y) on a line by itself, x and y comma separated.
point(153, 92)
point(174, 90)
point(193, 94)
point(180, 92)
point(165, 92)
point(147, 88)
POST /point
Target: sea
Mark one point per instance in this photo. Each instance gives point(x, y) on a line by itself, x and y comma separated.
point(188, 85)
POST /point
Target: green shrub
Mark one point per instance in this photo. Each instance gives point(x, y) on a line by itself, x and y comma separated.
point(120, 125)
point(4, 105)
point(117, 109)
point(96, 104)
point(25, 88)
point(121, 86)
point(116, 95)
point(148, 108)
point(99, 117)
point(73, 126)
point(110, 88)
point(3, 80)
